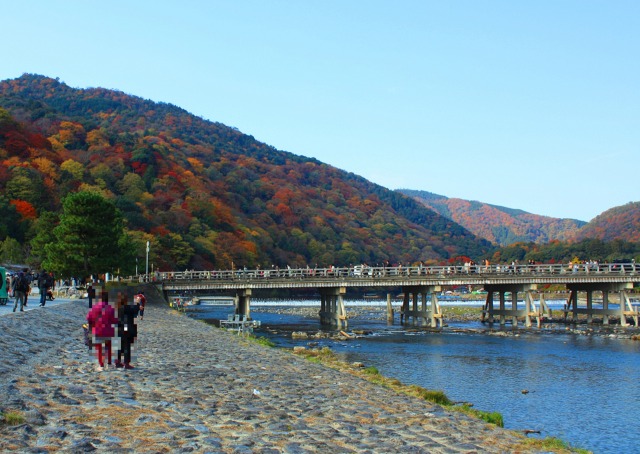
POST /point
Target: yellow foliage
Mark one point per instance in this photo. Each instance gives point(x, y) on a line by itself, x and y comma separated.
point(46, 166)
point(73, 167)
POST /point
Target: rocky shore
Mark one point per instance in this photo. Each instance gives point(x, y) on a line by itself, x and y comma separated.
point(197, 388)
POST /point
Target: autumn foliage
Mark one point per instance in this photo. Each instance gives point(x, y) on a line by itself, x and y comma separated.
point(203, 194)
point(25, 209)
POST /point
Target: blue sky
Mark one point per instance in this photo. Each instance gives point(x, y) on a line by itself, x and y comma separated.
point(524, 104)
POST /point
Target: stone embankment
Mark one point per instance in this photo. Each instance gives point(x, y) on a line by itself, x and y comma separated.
point(197, 388)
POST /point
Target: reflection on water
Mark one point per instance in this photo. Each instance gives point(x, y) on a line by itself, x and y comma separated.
point(583, 389)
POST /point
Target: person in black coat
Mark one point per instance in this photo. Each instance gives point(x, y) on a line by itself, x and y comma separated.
point(127, 330)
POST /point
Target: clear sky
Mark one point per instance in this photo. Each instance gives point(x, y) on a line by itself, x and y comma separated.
point(524, 104)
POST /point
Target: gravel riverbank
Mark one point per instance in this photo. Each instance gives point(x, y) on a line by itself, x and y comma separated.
point(197, 388)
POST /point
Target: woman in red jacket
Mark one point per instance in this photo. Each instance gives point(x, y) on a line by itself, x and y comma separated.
point(102, 318)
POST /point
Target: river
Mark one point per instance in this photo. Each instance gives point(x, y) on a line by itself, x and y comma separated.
point(584, 389)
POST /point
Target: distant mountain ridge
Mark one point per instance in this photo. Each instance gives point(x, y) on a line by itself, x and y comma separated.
point(499, 225)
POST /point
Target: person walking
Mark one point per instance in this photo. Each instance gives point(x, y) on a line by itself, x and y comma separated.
point(43, 278)
point(102, 319)
point(29, 277)
point(51, 286)
point(20, 287)
point(141, 300)
point(127, 330)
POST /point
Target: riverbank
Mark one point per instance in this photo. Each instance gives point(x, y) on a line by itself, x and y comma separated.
point(201, 389)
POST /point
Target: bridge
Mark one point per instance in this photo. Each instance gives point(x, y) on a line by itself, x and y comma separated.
point(421, 284)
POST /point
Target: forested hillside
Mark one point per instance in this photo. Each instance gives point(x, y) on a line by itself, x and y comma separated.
point(205, 195)
point(499, 225)
point(622, 222)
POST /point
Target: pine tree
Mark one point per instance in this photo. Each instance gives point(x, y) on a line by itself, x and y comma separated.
point(89, 239)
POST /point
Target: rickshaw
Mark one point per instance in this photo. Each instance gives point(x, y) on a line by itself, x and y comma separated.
point(4, 297)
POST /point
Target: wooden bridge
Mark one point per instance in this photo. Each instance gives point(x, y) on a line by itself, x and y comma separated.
point(421, 284)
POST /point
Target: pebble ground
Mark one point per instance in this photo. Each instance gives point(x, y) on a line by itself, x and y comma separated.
point(197, 388)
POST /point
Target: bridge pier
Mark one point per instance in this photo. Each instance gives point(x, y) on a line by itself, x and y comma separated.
point(424, 313)
point(243, 306)
point(332, 309)
point(625, 310)
point(527, 313)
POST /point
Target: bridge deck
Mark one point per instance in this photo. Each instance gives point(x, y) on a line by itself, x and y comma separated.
point(400, 276)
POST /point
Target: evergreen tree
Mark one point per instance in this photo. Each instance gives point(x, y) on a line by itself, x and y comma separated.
point(43, 235)
point(89, 239)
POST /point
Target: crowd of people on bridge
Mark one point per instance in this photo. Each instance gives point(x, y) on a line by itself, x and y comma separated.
point(386, 270)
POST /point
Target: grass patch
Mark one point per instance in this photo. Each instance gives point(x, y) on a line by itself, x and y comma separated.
point(12, 418)
point(553, 444)
point(492, 417)
point(437, 397)
point(263, 341)
point(371, 370)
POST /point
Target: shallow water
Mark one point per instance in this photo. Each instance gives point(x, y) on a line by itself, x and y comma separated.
point(582, 389)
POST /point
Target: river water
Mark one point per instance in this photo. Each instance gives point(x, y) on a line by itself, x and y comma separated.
point(584, 389)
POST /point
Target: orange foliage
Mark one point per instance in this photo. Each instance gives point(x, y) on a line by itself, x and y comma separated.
point(160, 230)
point(26, 210)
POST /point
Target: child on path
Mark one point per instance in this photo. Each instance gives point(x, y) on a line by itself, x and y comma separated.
point(101, 319)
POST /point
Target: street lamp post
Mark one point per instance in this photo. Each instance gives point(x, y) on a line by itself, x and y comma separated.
point(147, 268)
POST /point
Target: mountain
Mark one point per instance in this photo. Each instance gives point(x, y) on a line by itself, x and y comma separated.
point(203, 194)
point(499, 225)
point(621, 223)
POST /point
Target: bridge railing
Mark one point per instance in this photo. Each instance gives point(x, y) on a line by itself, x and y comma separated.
point(364, 271)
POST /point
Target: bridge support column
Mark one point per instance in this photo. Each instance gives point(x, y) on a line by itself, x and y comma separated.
point(625, 310)
point(424, 313)
point(389, 310)
point(527, 313)
point(487, 310)
point(243, 307)
point(332, 309)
